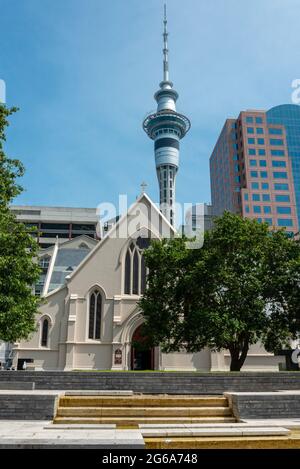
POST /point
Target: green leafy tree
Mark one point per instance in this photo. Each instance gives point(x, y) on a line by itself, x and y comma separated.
point(18, 249)
point(240, 288)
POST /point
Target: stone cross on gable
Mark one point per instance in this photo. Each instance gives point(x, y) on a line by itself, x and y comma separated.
point(143, 187)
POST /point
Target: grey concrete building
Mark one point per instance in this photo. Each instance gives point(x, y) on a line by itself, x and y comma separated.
point(64, 223)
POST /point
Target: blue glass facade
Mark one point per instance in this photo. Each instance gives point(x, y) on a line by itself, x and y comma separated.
point(289, 116)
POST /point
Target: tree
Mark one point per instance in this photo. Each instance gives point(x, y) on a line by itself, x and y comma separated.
point(18, 249)
point(240, 288)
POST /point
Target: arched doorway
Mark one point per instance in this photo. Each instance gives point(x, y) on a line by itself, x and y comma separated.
point(142, 357)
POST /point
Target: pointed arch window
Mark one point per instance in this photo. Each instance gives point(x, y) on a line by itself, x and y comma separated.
point(135, 268)
point(95, 315)
point(45, 332)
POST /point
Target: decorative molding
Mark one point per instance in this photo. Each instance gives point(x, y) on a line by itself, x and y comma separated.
point(41, 349)
point(91, 342)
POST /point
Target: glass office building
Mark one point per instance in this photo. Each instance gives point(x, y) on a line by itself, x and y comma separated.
point(255, 167)
point(288, 115)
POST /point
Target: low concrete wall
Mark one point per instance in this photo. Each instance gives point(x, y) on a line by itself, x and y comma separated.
point(27, 406)
point(29, 385)
point(170, 383)
point(268, 405)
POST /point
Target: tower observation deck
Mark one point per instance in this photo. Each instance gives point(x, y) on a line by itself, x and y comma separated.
point(166, 127)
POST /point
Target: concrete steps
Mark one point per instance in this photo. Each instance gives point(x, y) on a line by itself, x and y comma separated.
point(143, 412)
point(143, 401)
point(135, 421)
point(135, 410)
point(227, 442)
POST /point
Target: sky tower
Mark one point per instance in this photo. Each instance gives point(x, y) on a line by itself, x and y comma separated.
point(166, 127)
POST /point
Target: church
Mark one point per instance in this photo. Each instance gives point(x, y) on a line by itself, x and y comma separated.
point(89, 318)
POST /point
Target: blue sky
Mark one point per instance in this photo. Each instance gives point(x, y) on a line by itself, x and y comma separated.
point(83, 73)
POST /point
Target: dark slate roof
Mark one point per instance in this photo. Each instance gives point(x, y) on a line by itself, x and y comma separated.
point(66, 261)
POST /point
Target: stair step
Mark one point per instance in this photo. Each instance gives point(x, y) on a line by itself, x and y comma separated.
point(142, 401)
point(143, 411)
point(258, 442)
point(214, 432)
point(140, 420)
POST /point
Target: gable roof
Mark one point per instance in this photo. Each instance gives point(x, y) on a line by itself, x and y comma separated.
point(91, 242)
point(64, 258)
point(66, 261)
point(115, 227)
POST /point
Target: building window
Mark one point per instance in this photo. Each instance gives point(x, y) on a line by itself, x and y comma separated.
point(266, 197)
point(284, 210)
point(279, 164)
point(274, 131)
point(268, 220)
point(127, 273)
point(251, 141)
point(95, 315)
point(38, 289)
point(258, 120)
point(254, 174)
point(256, 197)
point(249, 119)
point(282, 198)
point(254, 185)
point(285, 222)
point(261, 141)
point(252, 151)
point(259, 130)
point(253, 163)
point(280, 175)
point(257, 209)
point(264, 174)
point(45, 330)
point(44, 262)
point(246, 197)
point(250, 130)
point(276, 141)
point(135, 268)
point(136, 273)
point(261, 152)
point(265, 185)
point(267, 209)
point(277, 152)
point(247, 208)
point(263, 163)
point(281, 187)
point(39, 286)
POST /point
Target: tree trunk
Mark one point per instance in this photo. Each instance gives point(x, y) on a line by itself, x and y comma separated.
point(238, 355)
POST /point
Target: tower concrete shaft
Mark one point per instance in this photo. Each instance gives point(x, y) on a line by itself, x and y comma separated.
point(166, 127)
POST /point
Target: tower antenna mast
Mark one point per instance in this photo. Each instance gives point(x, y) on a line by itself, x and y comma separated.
point(166, 127)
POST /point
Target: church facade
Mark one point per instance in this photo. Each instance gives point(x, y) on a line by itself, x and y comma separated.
point(90, 318)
